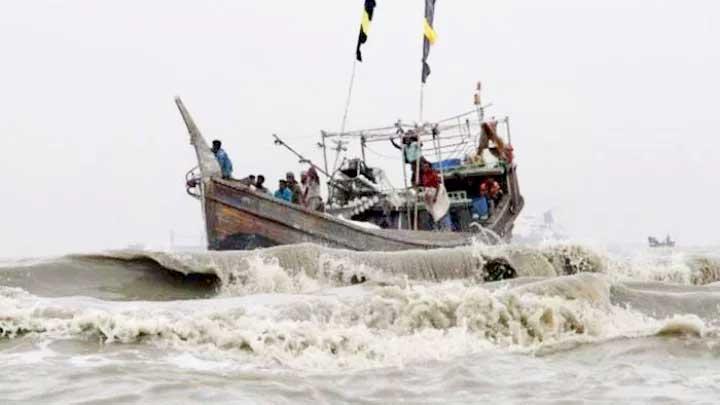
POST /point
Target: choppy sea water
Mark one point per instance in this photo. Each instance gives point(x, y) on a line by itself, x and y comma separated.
point(288, 325)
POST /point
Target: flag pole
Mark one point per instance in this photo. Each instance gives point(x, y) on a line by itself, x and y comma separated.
point(345, 114)
point(368, 10)
point(422, 101)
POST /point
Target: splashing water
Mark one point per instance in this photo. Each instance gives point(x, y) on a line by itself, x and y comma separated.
point(304, 310)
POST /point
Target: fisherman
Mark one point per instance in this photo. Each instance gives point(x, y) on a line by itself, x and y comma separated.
point(223, 159)
point(303, 187)
point(260, 184)
point(283, 192)
point(494, 191)
point(481, 209)
point(430, 181)
point(294, 188)
point(250, 181)
point(412, 151)
point(311, 197)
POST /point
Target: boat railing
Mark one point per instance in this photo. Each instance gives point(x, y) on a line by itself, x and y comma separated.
point(193, 183)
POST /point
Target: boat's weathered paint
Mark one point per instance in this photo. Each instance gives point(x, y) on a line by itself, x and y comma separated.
point(240, 218)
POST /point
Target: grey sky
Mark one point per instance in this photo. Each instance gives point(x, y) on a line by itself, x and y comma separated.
point(612, 104)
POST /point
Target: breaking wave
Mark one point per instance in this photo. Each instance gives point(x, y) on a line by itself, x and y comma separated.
point(362, 326)
point(312, 307)
point(377, 326)
point(307, 267)
point(285, 269)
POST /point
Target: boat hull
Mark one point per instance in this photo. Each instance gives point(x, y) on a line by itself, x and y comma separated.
point(238, 218)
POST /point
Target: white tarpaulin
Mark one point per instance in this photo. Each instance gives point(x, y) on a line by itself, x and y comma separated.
point(440, 207)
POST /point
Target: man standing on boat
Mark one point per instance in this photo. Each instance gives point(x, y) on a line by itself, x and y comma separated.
point(412, 151)
point(294, 187)
point(435, 195)
point(260, 184)
point(311, 196)
point(223, 159)
point(283, 192)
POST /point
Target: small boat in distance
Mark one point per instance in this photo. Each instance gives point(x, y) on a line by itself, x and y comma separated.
point(654, 242)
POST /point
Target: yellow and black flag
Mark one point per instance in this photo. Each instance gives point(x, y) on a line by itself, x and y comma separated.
point(364, 27)
point(429, 36)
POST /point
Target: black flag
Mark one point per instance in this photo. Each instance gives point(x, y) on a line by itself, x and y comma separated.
point(364, 27)
point(429, 36)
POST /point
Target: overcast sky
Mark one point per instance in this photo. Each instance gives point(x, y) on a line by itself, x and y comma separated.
point(613, 105)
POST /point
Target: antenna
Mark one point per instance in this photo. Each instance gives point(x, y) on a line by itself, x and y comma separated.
point(477, 99)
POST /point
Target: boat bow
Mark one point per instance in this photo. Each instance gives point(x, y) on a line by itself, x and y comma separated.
point(208, 164)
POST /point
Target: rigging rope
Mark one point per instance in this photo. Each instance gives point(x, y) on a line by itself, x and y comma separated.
point(345, 114)
point(349, 97)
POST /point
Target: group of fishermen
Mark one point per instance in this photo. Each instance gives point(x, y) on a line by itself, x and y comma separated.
point(487, 199)
point(305, 193)
point(423, 175)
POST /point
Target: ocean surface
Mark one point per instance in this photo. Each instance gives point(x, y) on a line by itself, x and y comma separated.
point(580, 324)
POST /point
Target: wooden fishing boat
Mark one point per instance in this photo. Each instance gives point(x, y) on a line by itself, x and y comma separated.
point(474, 197)
point(239, 218)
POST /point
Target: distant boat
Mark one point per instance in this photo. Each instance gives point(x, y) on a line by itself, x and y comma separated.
point(654, 242)
point(539, 228)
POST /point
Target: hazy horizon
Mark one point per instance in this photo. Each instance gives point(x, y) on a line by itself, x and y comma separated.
point(612, 106)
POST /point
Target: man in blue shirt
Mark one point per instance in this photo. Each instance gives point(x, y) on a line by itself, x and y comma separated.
point(223, 159)
point(284, 192)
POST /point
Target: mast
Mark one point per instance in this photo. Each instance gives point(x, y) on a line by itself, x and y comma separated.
point(323, 145)
point(479, 108)
point(363, 143)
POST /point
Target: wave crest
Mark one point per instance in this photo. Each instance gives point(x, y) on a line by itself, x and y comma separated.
point(385, 326)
